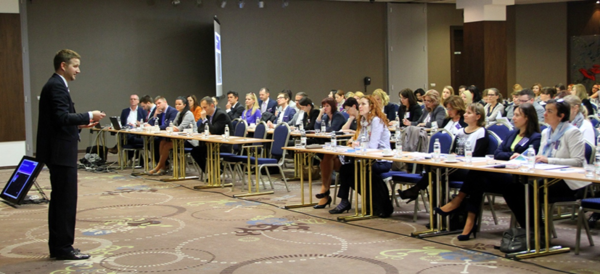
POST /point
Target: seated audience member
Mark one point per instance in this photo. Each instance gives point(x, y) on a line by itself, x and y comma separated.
point(351, 107)
point(299, 116)
point(331, 93)
point(389, 109)
point(373, 128)
point(409, 110)
point(147, 104)
point(517, 87)
point(434, 112)
point(595, 89)
point(527, 96)
point(358, 95)
point(291, 103)
point(163, 114)
point(286, 113)
point(476, 95)
point(526, 132)
point(456, 109)
point(559, 88)
point(265, 103)
point(419, 95)
point(578, 118)
point(561, 144)
point(447, 92)
point(194, 106)
point(570, 87)
point(473, 134)
point(537, 89)
point(131, 117)
point(216, 119)
point(252, 113)
point(546, 94)
point(233, 108)
point(494, 108)
point(310, 115)
point(580, 91)
point(329, 116)
point(339, 98)
point(512, 105)
point(467, 96)
point(349, 94)
point(183, 120)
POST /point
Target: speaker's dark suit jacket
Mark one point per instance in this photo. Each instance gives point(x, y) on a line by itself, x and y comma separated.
point(141, 114)
point(57, 139)
point(236, 111)
point(58, 134)
point(166, 117)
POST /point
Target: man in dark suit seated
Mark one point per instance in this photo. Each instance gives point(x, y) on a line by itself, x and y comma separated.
point(147, 104)
point(162, 116)
point(265, 103)
point(216, 119)
point(233, 108)
point(57, 138)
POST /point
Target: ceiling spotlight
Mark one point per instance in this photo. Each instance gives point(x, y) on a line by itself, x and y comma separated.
point(223, 4)
point(241, 4)
point(598, 2)
point(261, 4)
point(175, 2)
point(198, 3)
point(285, 4)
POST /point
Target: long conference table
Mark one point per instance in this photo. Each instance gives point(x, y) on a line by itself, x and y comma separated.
point(213, 143)
point(364, 161)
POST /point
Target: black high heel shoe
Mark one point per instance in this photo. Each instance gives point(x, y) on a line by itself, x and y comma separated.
point(322, 195)
point(340, 209)
point(439, 211)
point(324, 205)
point(468, 236)
point(411, 194)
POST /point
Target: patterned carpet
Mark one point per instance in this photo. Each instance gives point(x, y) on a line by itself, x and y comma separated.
point(142, 225)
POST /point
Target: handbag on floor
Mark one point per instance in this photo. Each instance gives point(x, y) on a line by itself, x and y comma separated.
point(514, 240)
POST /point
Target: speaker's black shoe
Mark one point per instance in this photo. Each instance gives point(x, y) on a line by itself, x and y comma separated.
point(73, 255)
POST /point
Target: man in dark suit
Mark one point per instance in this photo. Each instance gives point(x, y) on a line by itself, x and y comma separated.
point(57, 138)
point(265, 103)
point(233, 108)
point(163, 114)
point(148, 106)
point(216, 119)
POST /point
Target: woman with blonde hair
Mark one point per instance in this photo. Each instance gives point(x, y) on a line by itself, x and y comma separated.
point(517, 87)
point(447, 92)
point(537, 89)
point(389, 109)
point(467, 96)
point(580, 91)
point(358, 95)
point(578, 118)
point(434, 111)
point(373, 129)
point(252, 113)
point(349, 94)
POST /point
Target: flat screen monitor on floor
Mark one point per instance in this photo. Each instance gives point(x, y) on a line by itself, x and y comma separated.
point(20, 182)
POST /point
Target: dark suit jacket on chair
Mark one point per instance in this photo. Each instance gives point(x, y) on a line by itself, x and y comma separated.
point(166, 117)
point(141, 114)
point(58, 134)
point(236, 111)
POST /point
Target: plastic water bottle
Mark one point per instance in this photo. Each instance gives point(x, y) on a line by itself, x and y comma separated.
point(206, 131)
point(530, 158)
point(437, 150)
point(468, 153)
point(333, 140)
point(323, 128)
point(301, 127)
point(226, 132)
point(363, 144)
point(434, 127)
point(302, 136)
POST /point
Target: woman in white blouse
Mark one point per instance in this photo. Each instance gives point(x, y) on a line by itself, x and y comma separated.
point(578, 118)
point(494, 108)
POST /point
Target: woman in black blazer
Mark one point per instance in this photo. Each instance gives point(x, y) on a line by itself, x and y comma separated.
point(409, 110)
point(310, 113)
point(526, 133)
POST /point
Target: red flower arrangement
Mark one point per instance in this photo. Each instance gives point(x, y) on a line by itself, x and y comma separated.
point(590, 73)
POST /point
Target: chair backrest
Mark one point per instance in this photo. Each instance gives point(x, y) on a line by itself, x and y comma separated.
point(543, 126)
point(241, 129)
point(494, 142)
point(234, 123)
point(446, 141)
point(594, 107)
point(590, 152)
point(594, 119)
point(500, 130)
point(198, 125)
point(281, 135)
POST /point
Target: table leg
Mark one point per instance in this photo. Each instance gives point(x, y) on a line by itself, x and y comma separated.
point(363, 168)
point(179, 162)
point(301, 158)
point(213, 169)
